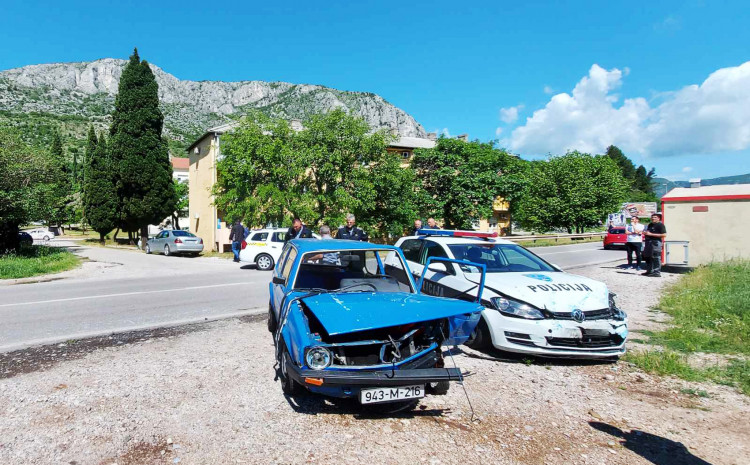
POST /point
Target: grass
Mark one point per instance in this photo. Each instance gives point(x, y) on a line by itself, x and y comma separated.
point(36, 260)
point(551, 242)
point(710, 310)
point(227, 255)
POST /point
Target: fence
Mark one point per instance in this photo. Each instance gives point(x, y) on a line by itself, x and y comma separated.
point(555, 237)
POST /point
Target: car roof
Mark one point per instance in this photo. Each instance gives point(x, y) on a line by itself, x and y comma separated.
point(314, 245)
point(460, 240)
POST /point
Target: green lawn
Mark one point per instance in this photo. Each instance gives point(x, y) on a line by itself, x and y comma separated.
point(710, 309)
point(36, 260)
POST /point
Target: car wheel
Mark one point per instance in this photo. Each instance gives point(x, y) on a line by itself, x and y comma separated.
point(148, 248)
point(438, 389)
point(271, 319)
point(607, 247)
point(46, 238)
point(167, 252)
point(480, 338)
point(264, 262)
point(289, 386)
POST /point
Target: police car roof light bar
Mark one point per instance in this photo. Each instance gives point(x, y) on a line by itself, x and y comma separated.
point(455, 233)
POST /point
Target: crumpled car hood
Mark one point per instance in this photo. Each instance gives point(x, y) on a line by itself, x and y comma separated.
point(350, 312)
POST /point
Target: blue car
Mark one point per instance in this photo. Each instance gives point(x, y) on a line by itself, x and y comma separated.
point(346, 325)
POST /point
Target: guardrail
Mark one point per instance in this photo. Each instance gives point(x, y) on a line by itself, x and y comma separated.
point(555, 237)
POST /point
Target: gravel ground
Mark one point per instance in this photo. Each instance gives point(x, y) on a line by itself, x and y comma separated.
point(208, 395)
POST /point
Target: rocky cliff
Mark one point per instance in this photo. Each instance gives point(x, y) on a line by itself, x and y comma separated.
point(86, 91)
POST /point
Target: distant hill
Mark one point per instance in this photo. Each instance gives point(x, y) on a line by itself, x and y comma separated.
point(661, 190)
point(41, 99)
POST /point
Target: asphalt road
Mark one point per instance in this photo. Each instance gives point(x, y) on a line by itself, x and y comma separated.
point(123, 290)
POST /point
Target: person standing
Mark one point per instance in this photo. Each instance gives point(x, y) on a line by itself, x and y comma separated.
point(417, 227)
point(634, 241)
point(655, 233)
point(297, 231)
point(350, 231)
point(432, 224)
point(237, 235)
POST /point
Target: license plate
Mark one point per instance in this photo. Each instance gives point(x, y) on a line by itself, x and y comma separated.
point(390, 394)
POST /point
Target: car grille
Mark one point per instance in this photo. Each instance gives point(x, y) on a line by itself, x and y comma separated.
point(603, 314)
point(587, 341)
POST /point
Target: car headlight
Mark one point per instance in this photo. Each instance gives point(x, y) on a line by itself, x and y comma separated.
point(514, 308)
point(617, 314)
point(318, 358)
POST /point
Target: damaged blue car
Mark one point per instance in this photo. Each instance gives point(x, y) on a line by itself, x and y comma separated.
point(346, 325)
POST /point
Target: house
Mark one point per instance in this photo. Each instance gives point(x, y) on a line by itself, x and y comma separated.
point(180, 168)
point(207, 222)
point(706, 224)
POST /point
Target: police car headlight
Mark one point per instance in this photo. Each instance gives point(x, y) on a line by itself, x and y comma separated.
point(617, 314)
point(318, 358)
point(514, 308)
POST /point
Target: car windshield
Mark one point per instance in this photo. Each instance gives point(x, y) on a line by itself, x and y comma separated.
point(498, 258)
point(351, 271)
point(617, 231)
point(179, 233)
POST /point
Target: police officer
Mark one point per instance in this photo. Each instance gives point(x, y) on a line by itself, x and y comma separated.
point(297, 231)
point(417, 227)
point(350, 231)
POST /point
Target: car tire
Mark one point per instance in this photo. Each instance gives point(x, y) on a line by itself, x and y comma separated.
point(46, 238)
point(167, 252)
point(438, 389)
point(148, 249)
point(264, 262)
point(288, 386)
point(271, 320)
point(480, 338)
point(607, 247)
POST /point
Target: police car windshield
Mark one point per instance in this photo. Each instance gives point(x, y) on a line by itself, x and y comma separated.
point(498, 258)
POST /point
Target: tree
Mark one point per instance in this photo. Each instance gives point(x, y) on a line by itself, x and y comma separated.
point(573, 191)
point(640, 182)
point(334, 166)
point(140, 154)
point(461, 180)
point(183, 202)
point(27, 174)
point(100, 193)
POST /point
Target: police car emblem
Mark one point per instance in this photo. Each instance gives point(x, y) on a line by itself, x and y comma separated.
point(578, 315)
point(539, 277)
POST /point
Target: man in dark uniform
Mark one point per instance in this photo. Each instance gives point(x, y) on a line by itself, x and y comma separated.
point(417, 227)
point(432, 224)
point(237, 235)
point(350, 231)
point(297, 231)
point(655, 233)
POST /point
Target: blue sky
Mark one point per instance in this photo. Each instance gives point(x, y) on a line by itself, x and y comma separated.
point(662, 80)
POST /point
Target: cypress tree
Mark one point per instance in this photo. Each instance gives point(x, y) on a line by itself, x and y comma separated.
point(139, 153)
point(100, 195)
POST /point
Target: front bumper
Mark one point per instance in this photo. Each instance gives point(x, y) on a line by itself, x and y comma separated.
point(558, 338)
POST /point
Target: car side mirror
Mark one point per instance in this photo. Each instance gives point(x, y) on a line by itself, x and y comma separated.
point(438, 267)
point(557, 267)
point(278, 280)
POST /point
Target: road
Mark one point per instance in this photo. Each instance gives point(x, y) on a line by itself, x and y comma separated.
point(122, 290)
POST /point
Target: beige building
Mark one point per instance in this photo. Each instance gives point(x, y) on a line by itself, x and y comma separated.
point(209, 223)
point(708, 224)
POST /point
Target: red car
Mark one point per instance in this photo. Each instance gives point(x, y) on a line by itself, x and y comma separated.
point(615, 237)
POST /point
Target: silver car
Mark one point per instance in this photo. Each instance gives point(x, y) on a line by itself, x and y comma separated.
point(172, 242)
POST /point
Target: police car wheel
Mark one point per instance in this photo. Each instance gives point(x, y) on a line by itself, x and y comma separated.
point(264, 262)
point(480, 338)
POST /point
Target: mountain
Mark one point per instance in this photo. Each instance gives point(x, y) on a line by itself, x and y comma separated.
point(72, 95)
point(664, 185)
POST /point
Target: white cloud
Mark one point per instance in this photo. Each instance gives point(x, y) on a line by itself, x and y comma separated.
point(445, 132)
point(510, 114)
point(687, 169)
point(707, 118)
point(498, 131)
point(549, 90)
point(670, 23)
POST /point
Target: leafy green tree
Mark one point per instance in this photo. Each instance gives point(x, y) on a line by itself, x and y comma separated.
point(574, 191)
point(144, 184)
point(100, 192)
point(27, 174)
point(181, 189)
point(396, 198)
point(462, 179)
point(640, 181)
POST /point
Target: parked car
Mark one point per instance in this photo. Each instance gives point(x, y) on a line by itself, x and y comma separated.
point(531, 306)
point(263, 247)
point(344, 327)
point(25, 238)
point(40, 234)
point(616, 237)
point(172, 242)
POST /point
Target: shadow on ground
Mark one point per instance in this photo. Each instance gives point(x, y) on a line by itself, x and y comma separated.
point(656, 449)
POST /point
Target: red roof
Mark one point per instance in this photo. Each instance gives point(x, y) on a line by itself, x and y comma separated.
point(180, 163)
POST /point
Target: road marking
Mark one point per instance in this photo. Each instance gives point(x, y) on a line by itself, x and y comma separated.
point(70, 299)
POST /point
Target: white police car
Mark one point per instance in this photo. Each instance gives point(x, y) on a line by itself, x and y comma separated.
point(531, 306)
point(263, 247)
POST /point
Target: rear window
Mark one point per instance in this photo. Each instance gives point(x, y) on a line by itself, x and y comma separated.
point(179, 233)
point(617, 231)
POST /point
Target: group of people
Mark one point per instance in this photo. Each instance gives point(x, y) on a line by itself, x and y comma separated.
point(650, 251)
point(431, 224)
